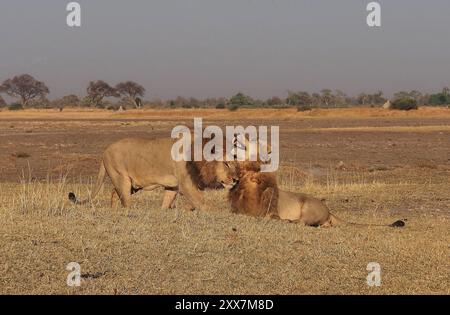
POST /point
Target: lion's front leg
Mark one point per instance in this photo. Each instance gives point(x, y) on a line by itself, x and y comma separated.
point(169, 198)
point(192, 194)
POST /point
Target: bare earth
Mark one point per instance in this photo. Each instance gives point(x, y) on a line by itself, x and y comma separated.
point(395, 165)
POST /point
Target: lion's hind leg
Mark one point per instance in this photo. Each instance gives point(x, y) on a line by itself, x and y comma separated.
point(114, 198)
point(122, 186)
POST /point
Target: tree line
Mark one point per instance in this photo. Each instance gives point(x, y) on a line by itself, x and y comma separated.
point(32, 93)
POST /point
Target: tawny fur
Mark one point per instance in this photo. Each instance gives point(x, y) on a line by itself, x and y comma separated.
point(257, 194)
point(140, 164)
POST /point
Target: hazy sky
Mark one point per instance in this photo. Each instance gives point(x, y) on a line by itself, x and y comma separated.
point(209, 48)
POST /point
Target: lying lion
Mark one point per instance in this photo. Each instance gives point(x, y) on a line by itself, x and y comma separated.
point(141, 164)
point(257, 194)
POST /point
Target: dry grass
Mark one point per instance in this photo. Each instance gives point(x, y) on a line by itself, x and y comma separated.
point(395, 165)
point(147, 250)
point(259, 113)
point(418, 129)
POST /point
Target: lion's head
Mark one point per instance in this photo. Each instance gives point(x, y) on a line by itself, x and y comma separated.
point(213, 174)
point(250, 163)
point(224, 173)
point(255, 194)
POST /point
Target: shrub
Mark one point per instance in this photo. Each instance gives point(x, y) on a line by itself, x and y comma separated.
point(86, 102)
point(404, 104)
point(220, 106)
point(233, 107)
point(304, 108)
point(241, 99)
point(15, 106)
point(439, 99)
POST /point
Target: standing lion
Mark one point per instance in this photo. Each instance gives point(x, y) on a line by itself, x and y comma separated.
point(141, 164)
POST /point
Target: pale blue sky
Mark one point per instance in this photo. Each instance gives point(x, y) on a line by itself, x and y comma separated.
point(211, 48)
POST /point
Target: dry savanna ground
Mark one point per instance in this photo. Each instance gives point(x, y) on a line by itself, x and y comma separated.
point(394, 165)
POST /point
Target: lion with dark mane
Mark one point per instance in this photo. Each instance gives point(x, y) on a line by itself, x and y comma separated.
point(257, 194)
point(141, 164)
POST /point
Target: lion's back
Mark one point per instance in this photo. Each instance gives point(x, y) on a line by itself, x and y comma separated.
point(139, 156)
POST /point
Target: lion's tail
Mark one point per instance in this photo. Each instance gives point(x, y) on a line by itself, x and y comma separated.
point(334, 220)
point(98, 186)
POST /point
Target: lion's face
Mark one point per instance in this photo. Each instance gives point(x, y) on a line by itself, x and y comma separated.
point(219, 174)
point(251, 163)
point(226, 174)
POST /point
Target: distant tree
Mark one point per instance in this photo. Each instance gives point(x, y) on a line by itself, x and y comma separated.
point(24, 87)
point(299, 98)
point(131, 90)
point(340, 98)
point(70, 100)
point(292, 99)
point(304, 98)
point(374, 99)
point(181, 101)
point(363, 99)
point(193, 102)
point(86, 101)
point(274, 101)
point(241, 99)
point(316, 99)
point(401, 95)
point(442, 98)
point(416, 95)
point(377, 98)
point(404, 104)
point(327, 97)
point(138, 102)
point(98, 90)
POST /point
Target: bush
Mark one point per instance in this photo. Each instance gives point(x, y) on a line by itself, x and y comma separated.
point(241, 100)
point(233, 107)
point(186, 106)
point(304, 108)
point(439, 99)
point(15, 106)
point(220, 106)
point(404, 104)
